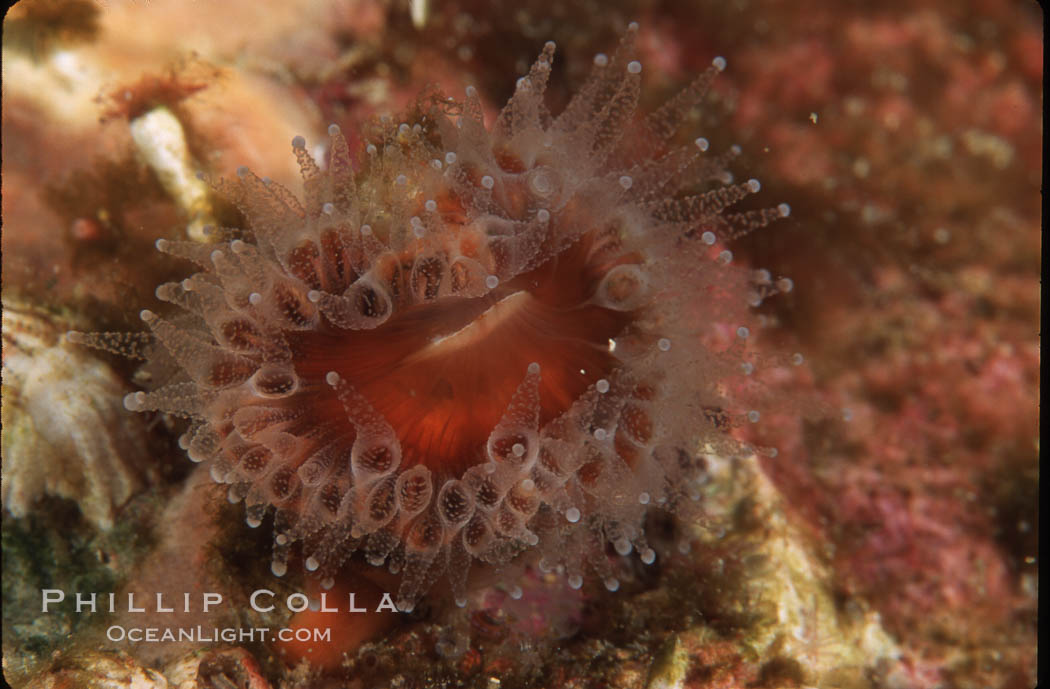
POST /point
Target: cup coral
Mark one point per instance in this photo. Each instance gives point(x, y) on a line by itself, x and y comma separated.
point(64, 431)
point(478, 342)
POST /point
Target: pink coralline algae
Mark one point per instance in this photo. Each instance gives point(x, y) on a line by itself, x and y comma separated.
point(916, 163)
point(474, 343)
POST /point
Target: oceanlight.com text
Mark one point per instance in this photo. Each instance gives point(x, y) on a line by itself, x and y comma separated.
point(202, 634)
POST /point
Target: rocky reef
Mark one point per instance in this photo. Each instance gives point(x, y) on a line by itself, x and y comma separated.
point(853, 486)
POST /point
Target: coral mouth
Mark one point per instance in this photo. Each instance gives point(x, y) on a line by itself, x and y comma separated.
point(443, 373)
point(477, 330)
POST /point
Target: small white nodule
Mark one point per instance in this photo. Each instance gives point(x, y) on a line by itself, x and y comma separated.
point(622, 546)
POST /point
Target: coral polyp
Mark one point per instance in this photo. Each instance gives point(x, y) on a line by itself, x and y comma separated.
point(468, 342)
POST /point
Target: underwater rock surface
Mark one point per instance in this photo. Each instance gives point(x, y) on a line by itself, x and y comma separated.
point(894, 549)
